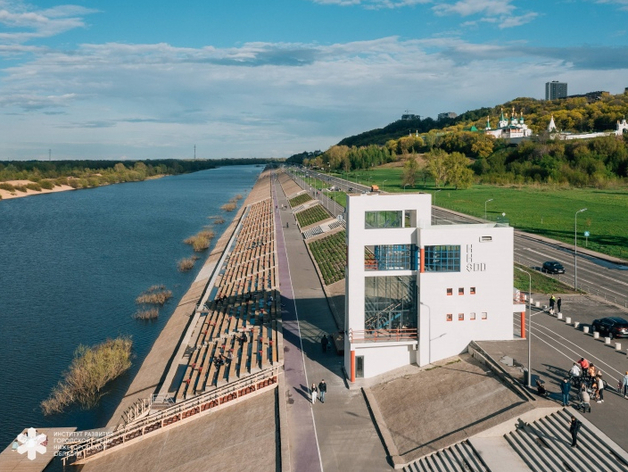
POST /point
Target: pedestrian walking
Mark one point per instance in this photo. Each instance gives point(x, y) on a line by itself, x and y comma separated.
point(324, 343)
point(574, 427)
point(565, 389)
point(600, 388)
point(558, 303)
point(313, 393)
point(322, 388)
point(585, 399)
point(624, 385)
point(552, 301)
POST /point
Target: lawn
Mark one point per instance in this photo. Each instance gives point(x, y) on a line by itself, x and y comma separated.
point(543, 210)
point(541, 283)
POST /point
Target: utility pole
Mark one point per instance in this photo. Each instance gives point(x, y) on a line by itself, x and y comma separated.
point(195, 152)
point(49, 154)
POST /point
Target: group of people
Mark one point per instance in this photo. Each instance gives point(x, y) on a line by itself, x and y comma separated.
point(587, 378)
point(318, 392)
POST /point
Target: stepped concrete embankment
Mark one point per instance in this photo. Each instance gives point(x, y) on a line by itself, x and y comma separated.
point(152, 373)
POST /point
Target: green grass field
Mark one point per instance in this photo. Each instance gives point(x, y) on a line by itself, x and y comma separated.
point(543, 210)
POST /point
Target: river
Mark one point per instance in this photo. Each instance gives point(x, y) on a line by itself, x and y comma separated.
point(72, 264)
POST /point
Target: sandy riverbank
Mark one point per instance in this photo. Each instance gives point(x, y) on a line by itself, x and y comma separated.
point(7, 195)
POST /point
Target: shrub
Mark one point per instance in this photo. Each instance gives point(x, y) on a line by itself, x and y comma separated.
point(219, 221)
point(7, 186)
point(91, 369)
point(34, 186)
point(186, 264)
point(155, 295)
point(47, 184)
point(21, 188)
point(201, 240)
point(228, 206)
point(147, 314)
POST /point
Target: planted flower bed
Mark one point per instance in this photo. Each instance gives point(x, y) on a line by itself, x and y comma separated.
point(300, 200)
point(312, 215)
point(330, 254)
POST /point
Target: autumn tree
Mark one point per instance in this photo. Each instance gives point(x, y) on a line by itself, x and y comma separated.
point(435, 160)
point(457, 170)
point(410, 171)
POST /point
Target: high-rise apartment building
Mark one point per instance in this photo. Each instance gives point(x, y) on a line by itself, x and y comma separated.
point(555, 89)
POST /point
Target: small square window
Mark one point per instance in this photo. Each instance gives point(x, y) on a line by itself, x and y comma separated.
point(450, 292)
point(472, 316)
point(472, 290)
point(461, 291)
point(484, 315)
point(460, 316)
point(450, 317)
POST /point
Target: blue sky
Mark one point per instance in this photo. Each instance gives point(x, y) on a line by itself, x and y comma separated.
point(249, 78)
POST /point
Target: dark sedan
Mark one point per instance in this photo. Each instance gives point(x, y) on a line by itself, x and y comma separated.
point(612, 327)
point(553, 267)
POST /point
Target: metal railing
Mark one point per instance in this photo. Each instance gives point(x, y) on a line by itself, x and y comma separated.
point(203, 403)
point(383, 335)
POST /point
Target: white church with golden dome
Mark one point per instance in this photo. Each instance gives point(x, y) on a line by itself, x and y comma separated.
point(509, 129)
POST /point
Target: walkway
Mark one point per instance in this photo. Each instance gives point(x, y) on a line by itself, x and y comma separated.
point(41, 455)
point(344, 430)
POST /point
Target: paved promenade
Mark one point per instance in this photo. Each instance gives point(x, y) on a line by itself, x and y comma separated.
point(345, 432)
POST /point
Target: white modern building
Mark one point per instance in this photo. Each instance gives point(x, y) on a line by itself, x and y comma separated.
point(416, 292)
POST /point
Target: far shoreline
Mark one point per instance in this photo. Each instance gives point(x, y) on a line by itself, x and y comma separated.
point(8, 195)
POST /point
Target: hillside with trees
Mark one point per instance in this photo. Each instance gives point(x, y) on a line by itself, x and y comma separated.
point(460, 153)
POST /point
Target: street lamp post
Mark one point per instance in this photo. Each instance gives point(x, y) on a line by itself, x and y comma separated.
point(575, 249)
point(434, 203)
point(489, 200)
point(383, 183)
point(529, 326)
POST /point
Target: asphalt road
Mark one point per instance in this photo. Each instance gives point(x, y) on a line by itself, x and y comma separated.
point(556, 346)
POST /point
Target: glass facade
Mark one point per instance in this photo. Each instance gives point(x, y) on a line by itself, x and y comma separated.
point(383, 219)
point(442, 258)
point(390, 303)
point(391, 257)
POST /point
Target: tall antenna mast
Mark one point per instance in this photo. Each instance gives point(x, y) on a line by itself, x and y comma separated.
point(49, 154)
point(195, 152)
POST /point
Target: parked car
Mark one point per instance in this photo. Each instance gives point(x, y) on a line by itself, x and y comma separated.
point(552, 267)
point(612, 327)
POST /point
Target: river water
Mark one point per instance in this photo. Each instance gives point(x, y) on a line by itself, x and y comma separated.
point(71, 266)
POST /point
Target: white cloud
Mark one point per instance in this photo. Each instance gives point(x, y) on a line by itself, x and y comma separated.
point(512, 21)
point(264, 99)
point(25, 23)
point(623, 4)
point(373, 4)
point(473, 7)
